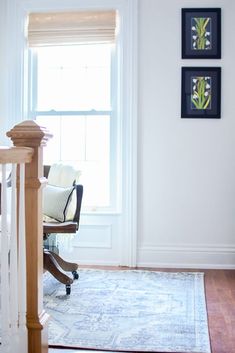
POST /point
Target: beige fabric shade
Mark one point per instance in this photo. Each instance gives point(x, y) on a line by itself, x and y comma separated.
point(79, 27)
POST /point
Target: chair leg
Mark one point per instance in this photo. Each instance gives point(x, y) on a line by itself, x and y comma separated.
point(50, 264)
point(65, 265)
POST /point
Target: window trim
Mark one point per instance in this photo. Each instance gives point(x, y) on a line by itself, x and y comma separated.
point(17, 104)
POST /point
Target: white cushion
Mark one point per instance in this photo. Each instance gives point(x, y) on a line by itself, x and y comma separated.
point(56, 201)
point(64, 176)
point(48, 219)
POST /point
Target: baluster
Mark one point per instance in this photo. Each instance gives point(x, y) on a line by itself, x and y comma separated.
point(13, 265)
point(22, 263)
point(4, 267)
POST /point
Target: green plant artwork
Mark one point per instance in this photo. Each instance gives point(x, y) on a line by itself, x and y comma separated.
point(201, 92)
point(201, 33)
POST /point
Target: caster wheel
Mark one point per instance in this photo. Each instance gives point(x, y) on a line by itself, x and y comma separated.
point(75, 275)
point(68, 289)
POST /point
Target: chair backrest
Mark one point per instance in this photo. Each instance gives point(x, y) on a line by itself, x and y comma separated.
point(61, 177)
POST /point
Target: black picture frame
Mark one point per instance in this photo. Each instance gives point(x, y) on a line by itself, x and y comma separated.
point(201, 92)
point(201, 33)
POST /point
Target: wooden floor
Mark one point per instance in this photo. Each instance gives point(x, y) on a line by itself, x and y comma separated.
point(220, 298)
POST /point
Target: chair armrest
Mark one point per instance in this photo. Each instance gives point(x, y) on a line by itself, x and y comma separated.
point(56, 227)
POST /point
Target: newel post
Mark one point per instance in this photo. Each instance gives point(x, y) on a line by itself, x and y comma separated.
point(30, 134)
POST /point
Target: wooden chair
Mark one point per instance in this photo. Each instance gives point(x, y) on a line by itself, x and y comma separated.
point(52, 261)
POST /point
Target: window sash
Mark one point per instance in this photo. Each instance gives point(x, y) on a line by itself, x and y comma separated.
point(112, 175)
point(114, 172)
point(53, 112)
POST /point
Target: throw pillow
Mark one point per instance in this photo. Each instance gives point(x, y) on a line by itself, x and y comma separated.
point(56, 201)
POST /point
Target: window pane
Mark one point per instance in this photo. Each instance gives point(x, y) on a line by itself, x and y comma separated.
point(73, 89)
point(95, 180)
point(49, 92)
point(52, 150)
point(98, 88)
point(84, 142)
point(75, 78)
point(97, 139)
point(73, 138)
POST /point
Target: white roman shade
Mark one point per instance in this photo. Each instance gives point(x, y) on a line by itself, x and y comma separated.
point(67, 28)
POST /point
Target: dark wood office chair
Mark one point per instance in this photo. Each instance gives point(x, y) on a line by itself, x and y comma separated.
point(52, 261)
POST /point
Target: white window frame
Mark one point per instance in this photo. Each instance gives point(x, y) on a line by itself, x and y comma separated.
point(115, 123)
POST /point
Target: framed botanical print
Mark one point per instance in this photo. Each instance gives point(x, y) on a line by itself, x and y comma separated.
point(201, 92)
point(201, 33)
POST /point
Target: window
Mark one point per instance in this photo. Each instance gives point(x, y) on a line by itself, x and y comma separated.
point(73, 93)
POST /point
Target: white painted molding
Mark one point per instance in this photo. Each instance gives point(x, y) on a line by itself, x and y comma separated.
point(134, 133)
point(3, 73)
point(216, 248)
point(218, 256)
point(128, 249)
point(97, 236)
point(91, 262)
point(47, 5)
point(11, 74)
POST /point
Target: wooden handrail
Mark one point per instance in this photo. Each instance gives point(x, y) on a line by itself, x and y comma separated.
point(15, 154)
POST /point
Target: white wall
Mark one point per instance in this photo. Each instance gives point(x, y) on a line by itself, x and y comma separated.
point(11, 53)
point(186, 166)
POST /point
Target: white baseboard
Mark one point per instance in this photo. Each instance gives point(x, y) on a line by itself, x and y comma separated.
point(220, 256)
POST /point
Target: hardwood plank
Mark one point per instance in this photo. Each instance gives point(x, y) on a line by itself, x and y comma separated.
point(220, 299)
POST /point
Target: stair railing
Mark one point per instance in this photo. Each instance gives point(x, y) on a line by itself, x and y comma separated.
point(13, 250)
point(22, 242)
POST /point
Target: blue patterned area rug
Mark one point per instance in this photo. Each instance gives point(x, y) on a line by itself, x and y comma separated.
point(129, 311)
